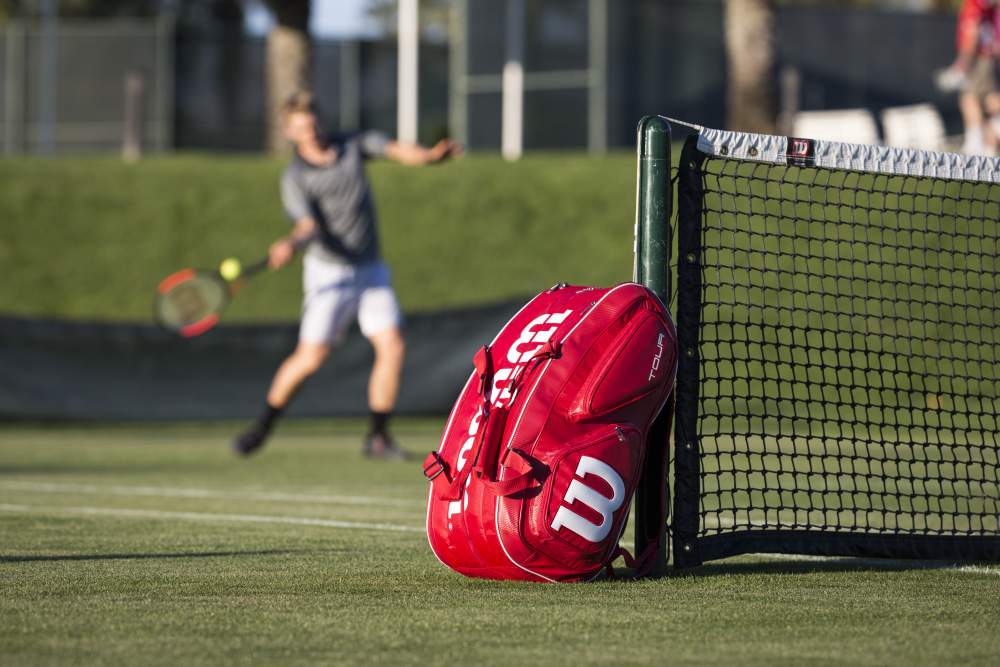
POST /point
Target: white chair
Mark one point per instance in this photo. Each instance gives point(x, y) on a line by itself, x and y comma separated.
point(917, 126)
point(853, 126)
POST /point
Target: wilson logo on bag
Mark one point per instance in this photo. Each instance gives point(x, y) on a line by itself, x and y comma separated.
point(595, 501)
point(542, 452)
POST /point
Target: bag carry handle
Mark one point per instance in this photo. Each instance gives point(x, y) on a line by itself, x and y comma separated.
point(486, 451)
point(485, 462)
point(436, 468)
point(538, 471)
point(484, 367)
point(449, 486)
point(484, 457)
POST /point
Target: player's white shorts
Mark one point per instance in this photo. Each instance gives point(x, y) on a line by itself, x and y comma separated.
point(334, 295)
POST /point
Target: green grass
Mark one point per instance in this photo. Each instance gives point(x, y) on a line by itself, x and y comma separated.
point(90, 237)
point(104, 559)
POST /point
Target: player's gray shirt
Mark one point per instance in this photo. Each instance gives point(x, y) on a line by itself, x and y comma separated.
point(339, 198)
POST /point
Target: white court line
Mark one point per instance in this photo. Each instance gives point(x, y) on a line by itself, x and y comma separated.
point(176, 492)
point(977, 569)
point(884, 562)
point(726, 522)
point(206, 516)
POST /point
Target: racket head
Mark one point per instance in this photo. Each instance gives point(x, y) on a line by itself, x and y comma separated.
point(189, 302)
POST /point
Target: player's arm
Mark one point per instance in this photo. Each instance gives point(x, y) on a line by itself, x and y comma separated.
point(283, 250)
point(299, 209)
point(970, 19)
point(415, 154)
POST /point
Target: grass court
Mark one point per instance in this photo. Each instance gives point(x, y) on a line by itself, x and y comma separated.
point(152, 544)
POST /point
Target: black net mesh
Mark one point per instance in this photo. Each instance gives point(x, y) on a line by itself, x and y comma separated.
point(842, 327)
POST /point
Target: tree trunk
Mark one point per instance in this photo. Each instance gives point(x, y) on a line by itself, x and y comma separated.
point(288, 63)
point(750, 47)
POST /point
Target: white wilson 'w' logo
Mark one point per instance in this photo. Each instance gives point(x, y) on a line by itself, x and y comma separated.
point(578, 491)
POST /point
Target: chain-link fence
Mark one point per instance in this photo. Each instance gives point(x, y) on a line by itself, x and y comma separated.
point(669, 57)
point(197, 91)
point(591, 68)
point(221, 96)
point(65, 91)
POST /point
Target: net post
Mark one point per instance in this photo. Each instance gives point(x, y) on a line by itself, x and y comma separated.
point(653, 241)
point(835, 332)
point(684, 519)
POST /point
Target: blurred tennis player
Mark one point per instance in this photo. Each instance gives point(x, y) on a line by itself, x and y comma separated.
point(327, 197)
point(974, 75)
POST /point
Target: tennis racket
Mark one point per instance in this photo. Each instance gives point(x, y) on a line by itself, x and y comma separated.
point(190, 301)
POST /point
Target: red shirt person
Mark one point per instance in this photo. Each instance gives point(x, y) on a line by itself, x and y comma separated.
point(975, 70)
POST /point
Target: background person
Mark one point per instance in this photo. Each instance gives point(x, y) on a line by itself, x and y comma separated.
point(975, 74)
point(326, 194)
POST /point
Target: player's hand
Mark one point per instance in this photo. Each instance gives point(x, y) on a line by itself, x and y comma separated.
point(950, 80)
point(281, 253)
point(444, 149)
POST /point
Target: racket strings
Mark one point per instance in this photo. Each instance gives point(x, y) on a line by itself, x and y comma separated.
point(191, 301)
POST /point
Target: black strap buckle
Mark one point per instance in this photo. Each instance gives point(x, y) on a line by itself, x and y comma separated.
point(434, 465)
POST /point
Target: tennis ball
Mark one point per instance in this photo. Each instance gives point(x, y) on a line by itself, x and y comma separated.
point(230, 269)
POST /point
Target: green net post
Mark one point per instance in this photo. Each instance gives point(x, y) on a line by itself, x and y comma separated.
point(653, 241)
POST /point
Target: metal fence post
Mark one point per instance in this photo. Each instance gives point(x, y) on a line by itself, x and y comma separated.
point(134, 125)
point(653, 241)
point(458, 71)
point(407, 70)
point(14, 88)
point(48, 77)
point(350, 85)
point(165, 31)
point(512, 93)
point(597, 91)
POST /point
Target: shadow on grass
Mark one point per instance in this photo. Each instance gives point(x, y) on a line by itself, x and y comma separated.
point(813, 565)
point(141, 556)
point(792, 565)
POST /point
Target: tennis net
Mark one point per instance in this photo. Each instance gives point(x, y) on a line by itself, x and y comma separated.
point(839, 382)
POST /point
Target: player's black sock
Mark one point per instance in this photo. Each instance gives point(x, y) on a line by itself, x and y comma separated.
point(267, 418)
point(254, 438)
point(380, 421)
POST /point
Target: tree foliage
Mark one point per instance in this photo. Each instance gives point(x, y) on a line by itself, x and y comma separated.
point(751, 54)
point(289, 56)
point(292, 14)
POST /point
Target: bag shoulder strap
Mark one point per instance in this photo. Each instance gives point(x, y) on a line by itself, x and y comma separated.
point(486, 450)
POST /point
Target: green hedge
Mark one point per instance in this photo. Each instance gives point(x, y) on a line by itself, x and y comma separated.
point(90, 237)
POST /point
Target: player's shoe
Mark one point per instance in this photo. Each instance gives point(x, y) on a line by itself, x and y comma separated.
point(250, 441)
point(380, 446)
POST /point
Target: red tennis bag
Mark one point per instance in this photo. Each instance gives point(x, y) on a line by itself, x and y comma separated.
point(542, 452)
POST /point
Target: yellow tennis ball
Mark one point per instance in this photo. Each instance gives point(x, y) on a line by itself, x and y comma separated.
point(230, 269)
